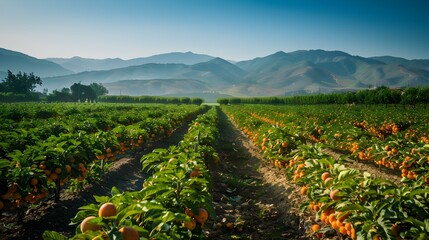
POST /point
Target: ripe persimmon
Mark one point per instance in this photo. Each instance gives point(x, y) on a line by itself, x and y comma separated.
point(86, 226)
point(327, 180)
point(325, 175)
point(315, 227)
point(58, 170)
point(202, 216)
point(189, 212)
point(195, 172)
point(129, 233)
point(34, 181)
point(304, 190)
point(190, 224)
point(107, 210)
point(333, 195)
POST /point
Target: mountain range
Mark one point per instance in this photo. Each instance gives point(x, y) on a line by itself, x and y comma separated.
point(198, 75)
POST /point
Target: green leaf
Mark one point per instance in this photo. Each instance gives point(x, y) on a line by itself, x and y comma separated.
point(356, 207)
point(419, 192)
point(115, 191)
point(4, 163)
point(168, 216)
point(101, 199)
point(52, 235)
point(350, 173)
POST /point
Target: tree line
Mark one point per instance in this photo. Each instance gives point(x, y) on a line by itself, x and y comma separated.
point(150, 99)
point(380, 95)
point(21, 87)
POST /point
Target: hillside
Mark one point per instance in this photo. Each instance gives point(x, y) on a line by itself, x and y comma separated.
point(299, 72)
point(78, 64)
point(16, 61)
point(415, 63)
point(324, 71)
point(156, 87)
point(215, 74)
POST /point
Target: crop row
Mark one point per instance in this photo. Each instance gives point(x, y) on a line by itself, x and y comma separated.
point(174, 202)
point(355, 204)
point(395, 138)
point(37, 161)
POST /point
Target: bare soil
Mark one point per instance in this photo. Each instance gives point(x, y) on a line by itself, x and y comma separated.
point(252, 199)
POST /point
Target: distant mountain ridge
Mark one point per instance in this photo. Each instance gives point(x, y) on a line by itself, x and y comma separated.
point(16, 61)
point(78, 64)
point(278, 74)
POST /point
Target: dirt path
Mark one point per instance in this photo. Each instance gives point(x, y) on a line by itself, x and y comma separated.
point(125, 174)
point(252, 200)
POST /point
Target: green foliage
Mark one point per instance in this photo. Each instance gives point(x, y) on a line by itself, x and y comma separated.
point(375, 207)
point(99, 89)
point(158, 209)
point(77, 142)
point(150, 99)
point(21, 83)
point(381, 95)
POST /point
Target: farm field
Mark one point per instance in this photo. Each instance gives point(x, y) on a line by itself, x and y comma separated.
point(236, 171)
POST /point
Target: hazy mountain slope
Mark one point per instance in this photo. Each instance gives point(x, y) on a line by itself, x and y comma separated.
point(143, 72)
point(222, 70)
point(156, 87)
point(276, 74)
point(16, 61)
point(78, 64)
point(215, 73)
point(324, 71)
point(413, 64)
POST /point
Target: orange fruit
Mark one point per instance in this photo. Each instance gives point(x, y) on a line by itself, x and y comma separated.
point(304, 190)
point(343, 230)
point(1, 205)
point(190, 225)
point(68, 168)
point(327, 180)
point(333, 195)
point(54, 176)
point(195, 173)
point(34, 181)
point(315, 227)
point(202, 216)
point(86, 226)
point(129, 233)
point(332, 218)
point(107, 210)
point(316, 207)
point(348, 226)
point(325, 175)
point(189, 212)
point(58, 170)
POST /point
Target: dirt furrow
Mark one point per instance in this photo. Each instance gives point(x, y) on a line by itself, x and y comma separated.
point(252, 200)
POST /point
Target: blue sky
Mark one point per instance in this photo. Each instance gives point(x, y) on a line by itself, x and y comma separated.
point(231, 29)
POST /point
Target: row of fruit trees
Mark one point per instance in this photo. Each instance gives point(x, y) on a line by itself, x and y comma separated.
point(174, 201)
point(48, 147)
point(354, 203)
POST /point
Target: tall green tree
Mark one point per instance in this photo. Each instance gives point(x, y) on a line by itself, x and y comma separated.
point(99, 89)
point(21, 83)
